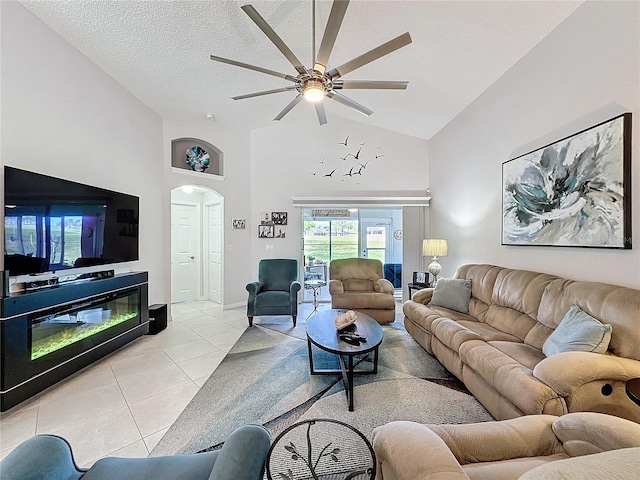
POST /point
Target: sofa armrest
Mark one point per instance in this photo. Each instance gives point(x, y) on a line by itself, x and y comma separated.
point(384, 286)
point(423, 295)
point(584, 433)
point(411, 451)
point(564, 372)
point(527, 436)
point(294, 288)
point(335, 287)
point(43, 457)
point(253, 288)
point(243, 454)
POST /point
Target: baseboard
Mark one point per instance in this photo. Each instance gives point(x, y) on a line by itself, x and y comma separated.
point(233, 305)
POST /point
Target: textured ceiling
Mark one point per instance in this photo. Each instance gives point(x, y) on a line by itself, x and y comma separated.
point(159, 50)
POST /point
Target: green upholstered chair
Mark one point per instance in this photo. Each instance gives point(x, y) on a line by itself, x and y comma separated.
point(49, 457)
point(276, 291)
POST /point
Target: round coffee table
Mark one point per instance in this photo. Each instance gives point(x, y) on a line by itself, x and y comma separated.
point(321, 448)
point(322, 332)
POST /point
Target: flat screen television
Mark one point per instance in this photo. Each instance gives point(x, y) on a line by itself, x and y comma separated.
point(52, 224)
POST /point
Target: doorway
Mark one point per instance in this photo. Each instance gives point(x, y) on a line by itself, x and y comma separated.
point(196, 244)
point(375, 239)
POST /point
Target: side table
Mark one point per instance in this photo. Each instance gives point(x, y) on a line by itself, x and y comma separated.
point(315, 285)
point(321, 448)
point(633, 390)
point(415, 286)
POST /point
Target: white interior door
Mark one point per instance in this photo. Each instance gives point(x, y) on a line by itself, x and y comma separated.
point(375, 239)
point(214, 252)
point(185, 252)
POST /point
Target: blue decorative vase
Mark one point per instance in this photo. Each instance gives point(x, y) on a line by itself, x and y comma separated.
point(198, 158)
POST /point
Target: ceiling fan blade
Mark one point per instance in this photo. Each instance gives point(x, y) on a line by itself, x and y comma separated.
point(338, 97)
point(338, 9)
point(253, 67)
point(264, 92)
point(371, 84)
point(371, 55)
point(322, 116)
point(273, 36)
point(288, 108)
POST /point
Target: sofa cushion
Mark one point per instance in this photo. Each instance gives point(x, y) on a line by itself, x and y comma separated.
point(452, 293)
point(578, 331)
point(487, 332)
point(521, 352)
point(612, 304)
point(358, 285)
point(363, 300)
point(188, 467)
point(619, 464)
point(512, 380)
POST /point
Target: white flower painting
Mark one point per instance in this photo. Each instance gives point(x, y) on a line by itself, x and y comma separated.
point(574, 192)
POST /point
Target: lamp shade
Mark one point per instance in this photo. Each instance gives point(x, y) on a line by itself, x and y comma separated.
point(435, 247)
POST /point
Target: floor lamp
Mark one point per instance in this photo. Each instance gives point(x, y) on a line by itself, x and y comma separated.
point(434, 247)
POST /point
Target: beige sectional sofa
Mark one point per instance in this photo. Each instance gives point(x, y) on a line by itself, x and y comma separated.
point(582, 445)
point(496, 349)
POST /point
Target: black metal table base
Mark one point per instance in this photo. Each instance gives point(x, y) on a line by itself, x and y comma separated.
point(346, 370)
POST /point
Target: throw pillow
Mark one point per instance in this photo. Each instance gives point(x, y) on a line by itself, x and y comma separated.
point(453, 294)
point(578, 331)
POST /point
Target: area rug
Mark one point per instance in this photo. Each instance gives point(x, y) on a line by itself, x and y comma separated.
point(265, 380)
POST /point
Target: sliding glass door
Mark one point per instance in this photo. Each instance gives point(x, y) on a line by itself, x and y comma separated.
point(329, 234)
point(335, 233)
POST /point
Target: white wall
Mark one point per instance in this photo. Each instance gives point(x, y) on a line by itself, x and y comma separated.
point(584, 72)
point(63, 116)
point(234, 143)
point(284, 156)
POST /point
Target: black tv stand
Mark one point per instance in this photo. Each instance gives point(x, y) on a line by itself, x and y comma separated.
point(48, 334)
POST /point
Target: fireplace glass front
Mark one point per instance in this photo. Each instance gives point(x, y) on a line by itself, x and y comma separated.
point(55, 331)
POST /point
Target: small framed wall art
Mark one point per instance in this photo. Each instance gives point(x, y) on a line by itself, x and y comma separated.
point(279, 218)
point(265, 231)
point(273, 225)
point(238, 223)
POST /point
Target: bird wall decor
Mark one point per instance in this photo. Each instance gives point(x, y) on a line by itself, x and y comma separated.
point(349, 165)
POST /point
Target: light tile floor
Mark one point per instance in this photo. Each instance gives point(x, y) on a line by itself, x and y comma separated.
point(123, 404)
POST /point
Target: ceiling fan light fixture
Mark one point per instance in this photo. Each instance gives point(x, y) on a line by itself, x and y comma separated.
point(313, 84)
point(313, 90)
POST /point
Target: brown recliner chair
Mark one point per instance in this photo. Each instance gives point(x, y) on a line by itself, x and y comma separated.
point(358, 284)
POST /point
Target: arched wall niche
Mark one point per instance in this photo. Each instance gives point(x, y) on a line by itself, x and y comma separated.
point(179, 147)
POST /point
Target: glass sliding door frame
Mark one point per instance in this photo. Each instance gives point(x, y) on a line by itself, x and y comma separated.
point(326, 238)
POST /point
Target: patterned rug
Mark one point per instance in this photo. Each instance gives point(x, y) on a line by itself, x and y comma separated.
point(265, 380)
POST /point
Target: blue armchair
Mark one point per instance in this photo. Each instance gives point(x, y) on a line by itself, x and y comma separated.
point(276, 291)
point(48, 457)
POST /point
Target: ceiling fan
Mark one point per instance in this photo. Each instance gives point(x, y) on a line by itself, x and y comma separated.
point(315, 84)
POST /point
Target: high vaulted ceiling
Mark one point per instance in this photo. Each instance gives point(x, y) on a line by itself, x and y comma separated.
point(159, 50)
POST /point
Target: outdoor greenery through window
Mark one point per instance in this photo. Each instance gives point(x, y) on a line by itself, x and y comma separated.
point(326, 240)
point(334, 233)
